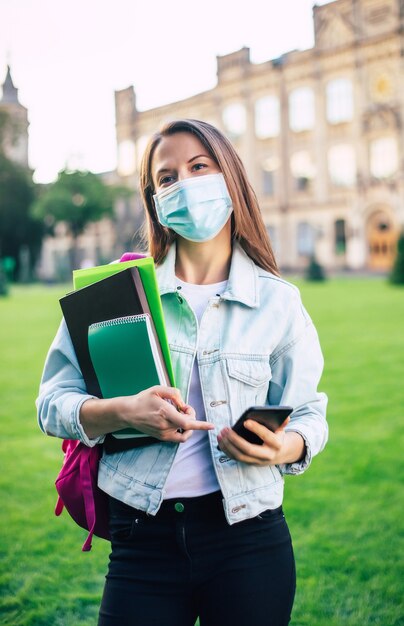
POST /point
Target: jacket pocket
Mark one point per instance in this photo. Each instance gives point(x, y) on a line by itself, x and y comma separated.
point(248, 384)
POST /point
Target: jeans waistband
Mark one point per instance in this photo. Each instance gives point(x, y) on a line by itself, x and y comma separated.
point(202, 508)
point(205, 507)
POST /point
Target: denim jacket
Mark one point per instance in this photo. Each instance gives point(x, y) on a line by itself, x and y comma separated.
point(255, 345)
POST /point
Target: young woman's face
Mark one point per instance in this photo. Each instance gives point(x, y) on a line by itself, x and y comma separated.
point(178, 157)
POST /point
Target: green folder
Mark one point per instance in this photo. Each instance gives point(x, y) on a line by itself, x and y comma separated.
point(125, 358)
point(84, 277)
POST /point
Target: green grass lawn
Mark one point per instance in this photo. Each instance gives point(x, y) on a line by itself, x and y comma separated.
point(345, 514)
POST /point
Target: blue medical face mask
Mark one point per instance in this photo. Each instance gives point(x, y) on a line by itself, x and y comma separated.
point(196, 208)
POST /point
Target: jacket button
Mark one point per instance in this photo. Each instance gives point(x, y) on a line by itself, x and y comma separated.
point(236, 509)
point(179, 507)
point(217, 402)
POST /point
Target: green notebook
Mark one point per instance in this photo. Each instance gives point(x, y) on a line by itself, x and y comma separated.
point(125, 359)
point(88, 276)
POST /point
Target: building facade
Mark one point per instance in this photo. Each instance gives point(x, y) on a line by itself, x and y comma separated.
point(320, 132)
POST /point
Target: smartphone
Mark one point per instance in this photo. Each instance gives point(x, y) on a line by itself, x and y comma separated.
point(270, 416)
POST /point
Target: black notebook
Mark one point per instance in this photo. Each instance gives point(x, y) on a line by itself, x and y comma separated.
point(117, 296)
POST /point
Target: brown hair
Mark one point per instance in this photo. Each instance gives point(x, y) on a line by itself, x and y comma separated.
point(247, 224)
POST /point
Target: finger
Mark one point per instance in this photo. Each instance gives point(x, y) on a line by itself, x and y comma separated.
point(189, 411)
point(200, 425)
point(229, 441)
point(185, 421)
point(267, 436)
point(237, 441)
point(179, 436)
point(233, 452)
point(194, 424)
point(242, 449)
point(169, 393)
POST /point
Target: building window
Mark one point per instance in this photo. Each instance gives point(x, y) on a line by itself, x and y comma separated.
point(267, 117)
point(267, 183)
point(268, 168)
point(383, 157)
point(340, 237)
point(301, 109)
point(234, 119)
point(305, 239)
point(273, 238)
point(141, 144)
point(303, 170)
point(126, 158)
point(342, 165)
point(339, 101)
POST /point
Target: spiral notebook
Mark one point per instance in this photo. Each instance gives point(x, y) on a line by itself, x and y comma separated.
point(126, 359)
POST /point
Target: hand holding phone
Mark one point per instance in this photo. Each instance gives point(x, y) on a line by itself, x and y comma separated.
point(269, 416)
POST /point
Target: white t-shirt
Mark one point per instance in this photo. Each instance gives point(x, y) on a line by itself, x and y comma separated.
point(192, 473)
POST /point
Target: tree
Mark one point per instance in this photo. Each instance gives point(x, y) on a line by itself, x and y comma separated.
point(77, 199)
point(397, 273)
point(19, 230)
point(314, 271)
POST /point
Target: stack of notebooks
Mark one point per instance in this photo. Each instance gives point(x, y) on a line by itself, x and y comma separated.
point(116, 325)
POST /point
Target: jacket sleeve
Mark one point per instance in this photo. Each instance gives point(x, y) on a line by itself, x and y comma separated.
point(297, 366)
point(62, 392)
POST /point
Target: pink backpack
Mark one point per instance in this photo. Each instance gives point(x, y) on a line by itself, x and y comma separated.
point(76, 483)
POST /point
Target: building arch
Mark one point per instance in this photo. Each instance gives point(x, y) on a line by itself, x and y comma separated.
point(381, 234)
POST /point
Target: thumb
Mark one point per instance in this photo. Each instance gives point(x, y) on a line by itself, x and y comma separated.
point(283, 425)
point(171, 393)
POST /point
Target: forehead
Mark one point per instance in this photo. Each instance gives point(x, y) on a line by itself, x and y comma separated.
point(176, 148)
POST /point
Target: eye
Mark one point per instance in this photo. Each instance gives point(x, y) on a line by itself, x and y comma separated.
point(166, 180)
point(198, 166)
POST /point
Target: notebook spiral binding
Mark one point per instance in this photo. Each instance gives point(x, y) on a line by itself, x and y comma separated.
point(120, 320)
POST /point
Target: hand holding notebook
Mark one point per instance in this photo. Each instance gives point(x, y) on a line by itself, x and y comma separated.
point(125, 358)
point(129, 344)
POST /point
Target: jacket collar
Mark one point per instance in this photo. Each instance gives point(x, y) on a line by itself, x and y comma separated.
point(242, 285)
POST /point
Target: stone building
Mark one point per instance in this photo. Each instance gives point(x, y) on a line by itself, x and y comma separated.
point(320, 132)
point(15, 141)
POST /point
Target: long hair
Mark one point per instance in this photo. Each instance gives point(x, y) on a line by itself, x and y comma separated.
point(247, 224)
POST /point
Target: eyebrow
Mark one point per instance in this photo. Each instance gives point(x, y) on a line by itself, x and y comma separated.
point(207, 156)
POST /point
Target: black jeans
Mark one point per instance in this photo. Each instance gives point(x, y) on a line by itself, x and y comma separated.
point(169, 569)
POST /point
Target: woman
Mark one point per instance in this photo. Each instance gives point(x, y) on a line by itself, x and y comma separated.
point(196, 522)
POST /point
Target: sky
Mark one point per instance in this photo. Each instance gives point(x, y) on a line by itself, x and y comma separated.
point(68, 57)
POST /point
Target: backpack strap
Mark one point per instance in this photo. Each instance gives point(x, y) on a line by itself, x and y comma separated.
point(131, 256)
point(88, 496)
point(59, 503)
point(59, 506)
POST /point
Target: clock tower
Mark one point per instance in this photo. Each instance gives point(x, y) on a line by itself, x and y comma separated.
point(14, 118)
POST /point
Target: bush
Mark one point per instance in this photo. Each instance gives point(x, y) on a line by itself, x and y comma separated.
point(397, 273)
point(314, 271)
point(3, 282)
